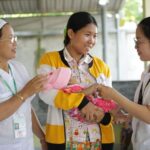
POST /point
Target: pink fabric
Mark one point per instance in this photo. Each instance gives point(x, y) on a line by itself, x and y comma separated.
point(58, 78)
point(106, 105)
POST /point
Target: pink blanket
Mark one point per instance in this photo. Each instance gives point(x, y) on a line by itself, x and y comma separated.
point(106, 105)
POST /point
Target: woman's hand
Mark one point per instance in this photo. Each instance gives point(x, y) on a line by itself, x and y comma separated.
point(44, 145)
point(35, 85)
point(91, 90)
point(107, 92)
point(120, 117)
point(92, 113)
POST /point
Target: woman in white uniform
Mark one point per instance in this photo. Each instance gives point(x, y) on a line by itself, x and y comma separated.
point(17, 119)
point(140, 108)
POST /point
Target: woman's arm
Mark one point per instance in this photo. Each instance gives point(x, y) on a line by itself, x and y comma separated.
point(38, 131)
point(141, 112)
point(8, 107)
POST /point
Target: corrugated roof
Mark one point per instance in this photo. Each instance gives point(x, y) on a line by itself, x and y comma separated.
point(52, 6)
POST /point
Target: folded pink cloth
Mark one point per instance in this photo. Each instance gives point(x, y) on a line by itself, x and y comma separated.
point(58, 78)
point(106, 105)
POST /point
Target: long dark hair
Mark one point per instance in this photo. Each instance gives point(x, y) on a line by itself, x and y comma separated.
point(77, 21)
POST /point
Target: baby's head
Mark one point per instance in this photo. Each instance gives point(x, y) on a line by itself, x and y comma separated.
point(58, 78)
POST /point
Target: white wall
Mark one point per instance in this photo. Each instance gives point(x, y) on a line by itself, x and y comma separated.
point(130, 65)
point(26, 53)
point(146, 7)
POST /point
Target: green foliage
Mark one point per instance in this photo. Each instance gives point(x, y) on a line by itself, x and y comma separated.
point(133, 10)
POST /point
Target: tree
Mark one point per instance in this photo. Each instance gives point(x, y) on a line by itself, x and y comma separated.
point(133, 10)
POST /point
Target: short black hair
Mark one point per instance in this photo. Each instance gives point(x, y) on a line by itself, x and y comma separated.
point(145, 27)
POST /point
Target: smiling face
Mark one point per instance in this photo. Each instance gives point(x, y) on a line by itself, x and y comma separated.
point(142, 45)
point(7, 43)
point(83, 40)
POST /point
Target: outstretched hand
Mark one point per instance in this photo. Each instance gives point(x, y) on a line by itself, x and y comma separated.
point(119, 116)
point(92, 113)
point(34, 86)
point(91, 90)
point(106, 92)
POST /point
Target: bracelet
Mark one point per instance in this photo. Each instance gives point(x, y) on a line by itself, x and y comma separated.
point(21, 98)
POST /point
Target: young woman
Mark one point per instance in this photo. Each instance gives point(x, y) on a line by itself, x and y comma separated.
point(140, 108)
point(63, 131)
point(17, 119)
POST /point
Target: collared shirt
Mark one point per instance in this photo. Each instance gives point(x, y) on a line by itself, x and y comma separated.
point(77, 131)
point(80, 74)
point(7, 136)
point(141, 130)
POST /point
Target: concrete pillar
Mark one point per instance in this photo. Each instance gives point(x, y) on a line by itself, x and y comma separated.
point(146, 6)
point(104, 32)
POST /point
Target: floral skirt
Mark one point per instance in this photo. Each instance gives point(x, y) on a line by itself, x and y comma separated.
point(83, 146)
point(81, 136)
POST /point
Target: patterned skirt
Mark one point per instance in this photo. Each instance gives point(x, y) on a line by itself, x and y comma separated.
point(83, 146)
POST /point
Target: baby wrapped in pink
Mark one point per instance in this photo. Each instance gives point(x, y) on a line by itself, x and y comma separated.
point(59, 79)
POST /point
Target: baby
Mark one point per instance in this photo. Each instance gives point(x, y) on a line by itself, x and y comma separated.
point(59, 79)
point(106, 105)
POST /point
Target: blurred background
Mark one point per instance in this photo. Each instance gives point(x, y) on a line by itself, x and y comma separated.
point(40, 24)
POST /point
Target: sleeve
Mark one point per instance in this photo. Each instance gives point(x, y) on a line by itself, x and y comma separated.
point(106, 119)
point(103, 73)
point(107, 80)
point(108, 76)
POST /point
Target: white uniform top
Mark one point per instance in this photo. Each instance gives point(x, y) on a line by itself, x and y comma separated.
point(7, 136)
point(141, 130)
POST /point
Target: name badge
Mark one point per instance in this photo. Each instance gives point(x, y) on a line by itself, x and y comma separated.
point(19, 125)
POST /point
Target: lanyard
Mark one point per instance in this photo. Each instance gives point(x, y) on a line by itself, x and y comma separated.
point(7, 85)
point(140, 100)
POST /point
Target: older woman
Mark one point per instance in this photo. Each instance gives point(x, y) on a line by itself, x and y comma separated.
point(17, 119)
